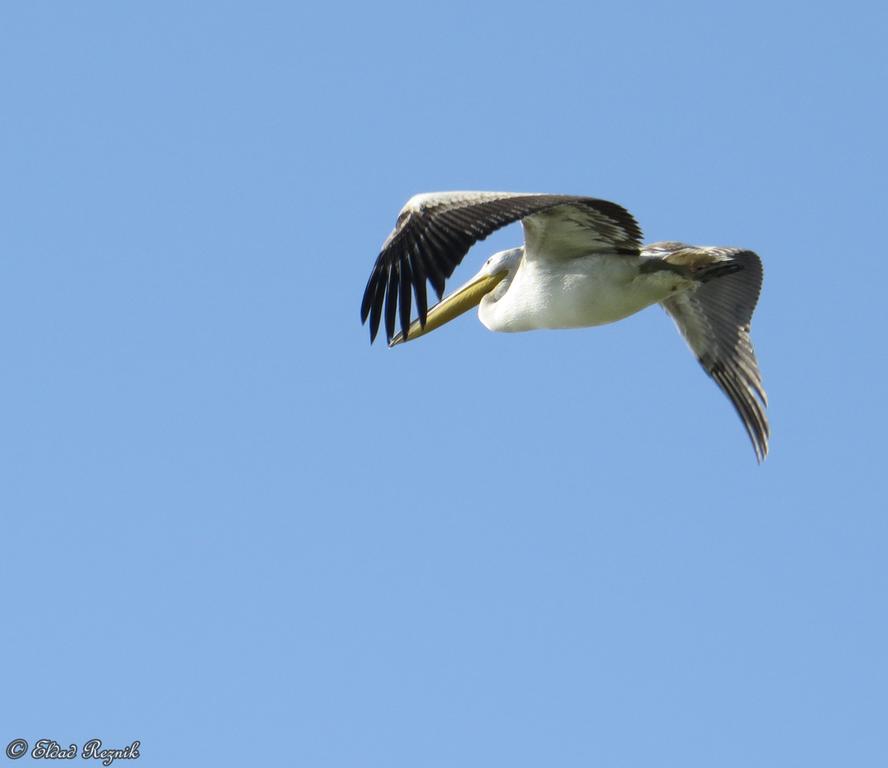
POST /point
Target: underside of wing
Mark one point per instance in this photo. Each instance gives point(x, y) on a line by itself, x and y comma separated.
point(714, 320)
point(434, 232)
point(571, 230)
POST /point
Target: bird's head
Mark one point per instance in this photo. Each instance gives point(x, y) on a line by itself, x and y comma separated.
point(489, 285)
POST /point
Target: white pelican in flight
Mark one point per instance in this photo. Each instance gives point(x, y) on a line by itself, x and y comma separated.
point(582, 264)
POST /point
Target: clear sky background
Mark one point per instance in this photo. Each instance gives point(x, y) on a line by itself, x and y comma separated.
point(233, 530)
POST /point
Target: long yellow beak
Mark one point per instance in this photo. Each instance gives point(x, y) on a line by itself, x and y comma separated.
point(458, 302)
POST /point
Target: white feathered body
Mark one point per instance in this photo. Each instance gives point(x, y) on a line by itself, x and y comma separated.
point(574, 293)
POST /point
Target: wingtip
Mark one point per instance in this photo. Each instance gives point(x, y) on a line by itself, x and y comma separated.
point(761, 453)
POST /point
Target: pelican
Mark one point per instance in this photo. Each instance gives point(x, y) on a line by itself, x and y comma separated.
point(582, 264)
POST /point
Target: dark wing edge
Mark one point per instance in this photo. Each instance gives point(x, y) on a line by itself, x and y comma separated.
point(434, 233)
point(715, 322)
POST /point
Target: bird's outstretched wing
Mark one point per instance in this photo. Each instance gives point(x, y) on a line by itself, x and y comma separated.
point(435, 231)
point(714, 320)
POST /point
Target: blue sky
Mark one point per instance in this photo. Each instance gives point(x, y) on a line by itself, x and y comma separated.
point(236, 532)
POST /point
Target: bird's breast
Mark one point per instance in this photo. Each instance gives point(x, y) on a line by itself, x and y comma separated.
point(587, 291)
